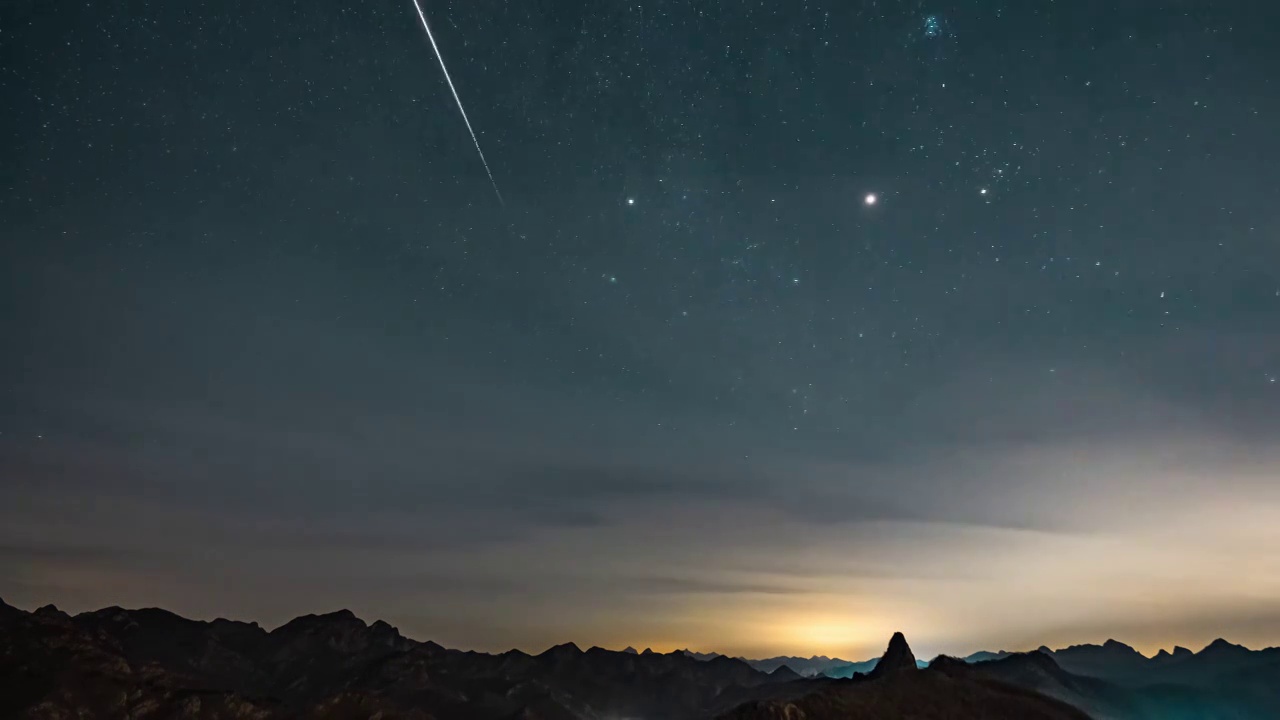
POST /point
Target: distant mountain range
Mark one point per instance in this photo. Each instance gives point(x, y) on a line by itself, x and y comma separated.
point(151, 664)
point(816, 666)
point(1112, 661)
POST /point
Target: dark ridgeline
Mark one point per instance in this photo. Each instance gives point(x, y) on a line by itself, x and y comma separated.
point(151, 664)
point(1217, 665)
point(805, 667)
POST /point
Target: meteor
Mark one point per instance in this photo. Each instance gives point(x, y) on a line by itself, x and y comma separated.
point(423, 17)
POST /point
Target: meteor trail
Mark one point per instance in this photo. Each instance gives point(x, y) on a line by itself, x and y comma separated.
point(423, 17)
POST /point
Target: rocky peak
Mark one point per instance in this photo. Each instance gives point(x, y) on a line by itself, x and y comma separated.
point(51, 612)
point(1116, 646)
point(699, 656)
point(384, 629)
point(562, 652)
point(1034, 659)
point(337, 632)
point(342, 621)
point(309, 623)
point(784, 674)
point(1222, 647)
point(897, 658)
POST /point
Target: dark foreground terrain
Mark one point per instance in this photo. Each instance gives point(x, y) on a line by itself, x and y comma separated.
point(151, 664)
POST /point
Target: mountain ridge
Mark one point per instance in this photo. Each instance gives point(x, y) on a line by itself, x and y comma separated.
point(151, 663)
point(764, 664)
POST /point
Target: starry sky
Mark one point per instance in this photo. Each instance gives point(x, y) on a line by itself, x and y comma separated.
point(802, 322)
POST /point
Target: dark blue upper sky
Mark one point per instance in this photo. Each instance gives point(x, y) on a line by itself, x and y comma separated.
point(272, 345)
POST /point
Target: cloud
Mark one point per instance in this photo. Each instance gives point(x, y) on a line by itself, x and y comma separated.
point(15, 554)
point(661, 585)
point(987, 492)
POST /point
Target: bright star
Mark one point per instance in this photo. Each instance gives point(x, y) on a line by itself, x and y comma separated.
point(631, 201)
point(870, 199)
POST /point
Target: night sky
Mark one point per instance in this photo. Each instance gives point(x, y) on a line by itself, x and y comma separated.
point(804, 321)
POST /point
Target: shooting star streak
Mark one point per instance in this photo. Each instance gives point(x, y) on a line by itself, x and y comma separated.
point(423, 17)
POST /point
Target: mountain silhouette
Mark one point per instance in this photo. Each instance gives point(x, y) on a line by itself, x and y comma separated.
point(896, 688)
point(808, 667)
point(1119, 663)
point(897, 658)
point(151, 664)
point(1223, 680)
point(984, 655)
point(815, 666)
point(1039, 672)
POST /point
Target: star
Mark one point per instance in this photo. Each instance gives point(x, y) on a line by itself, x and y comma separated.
point(631, 201)
point(871, 199)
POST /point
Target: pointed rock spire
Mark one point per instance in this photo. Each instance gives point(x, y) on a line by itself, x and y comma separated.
point(897, 658)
